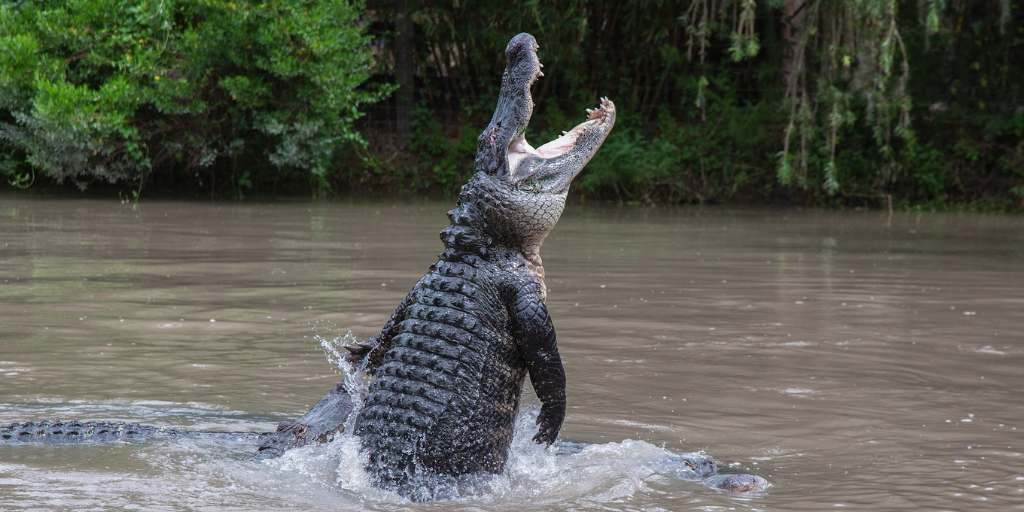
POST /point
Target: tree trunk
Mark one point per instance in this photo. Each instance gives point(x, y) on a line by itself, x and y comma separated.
point(792, 25)
point(404, 74)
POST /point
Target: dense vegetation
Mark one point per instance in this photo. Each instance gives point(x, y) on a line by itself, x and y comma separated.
point(809, 102)
point(180, 91)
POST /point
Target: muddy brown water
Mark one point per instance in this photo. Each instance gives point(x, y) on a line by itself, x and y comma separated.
point(851, 359)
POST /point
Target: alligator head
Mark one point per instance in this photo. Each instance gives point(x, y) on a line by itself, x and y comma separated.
point(518, 192)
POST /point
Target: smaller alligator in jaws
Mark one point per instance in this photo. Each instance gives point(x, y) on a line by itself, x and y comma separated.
point(449, 365)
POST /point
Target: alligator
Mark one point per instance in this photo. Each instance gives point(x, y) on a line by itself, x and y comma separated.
point(319, 425)
point(451, 361)
point(449, 365)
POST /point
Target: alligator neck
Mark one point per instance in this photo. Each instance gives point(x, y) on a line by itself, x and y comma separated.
point(467, 239)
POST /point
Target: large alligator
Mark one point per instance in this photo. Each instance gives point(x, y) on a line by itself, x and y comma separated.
point(450, 363)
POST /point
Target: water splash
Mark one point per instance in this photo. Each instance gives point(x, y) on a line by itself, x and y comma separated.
point(356, 382)
point(566, 473)
point(334, 345)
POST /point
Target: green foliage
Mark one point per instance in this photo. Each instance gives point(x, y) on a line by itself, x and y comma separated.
point(816, 102)
point(588, 47)
point(450, 161)
point(720, 158)
point(118, 90)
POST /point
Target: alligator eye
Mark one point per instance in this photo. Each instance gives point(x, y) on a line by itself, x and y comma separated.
point(688, 464)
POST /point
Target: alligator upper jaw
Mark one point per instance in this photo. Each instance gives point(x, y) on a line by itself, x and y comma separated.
point(502, 149)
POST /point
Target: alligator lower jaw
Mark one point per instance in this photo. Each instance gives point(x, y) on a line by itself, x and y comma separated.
point(563, 144)
point(519, 148)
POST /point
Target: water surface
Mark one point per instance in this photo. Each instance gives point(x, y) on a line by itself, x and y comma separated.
point(850, 358)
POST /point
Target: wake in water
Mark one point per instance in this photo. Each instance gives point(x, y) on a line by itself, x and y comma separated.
point(195, 472)
point(577, 472)
point(565, 472)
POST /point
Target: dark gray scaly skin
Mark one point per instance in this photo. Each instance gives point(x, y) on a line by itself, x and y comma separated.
point(450, 363)
point(319, 425)
point(77, 432)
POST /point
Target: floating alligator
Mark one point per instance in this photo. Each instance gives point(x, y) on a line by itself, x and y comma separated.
point(318, 425)
point(450, 363)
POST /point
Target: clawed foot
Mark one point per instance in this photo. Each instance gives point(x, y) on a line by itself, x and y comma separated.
point(550, 421)
point(358, 352)
point(545, 435)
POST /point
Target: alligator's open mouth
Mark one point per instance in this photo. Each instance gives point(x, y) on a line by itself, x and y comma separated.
point(557, 147)
point(519, 148)
point(554, 164)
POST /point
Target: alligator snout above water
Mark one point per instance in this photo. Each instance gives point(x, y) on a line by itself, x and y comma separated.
point(450, 363)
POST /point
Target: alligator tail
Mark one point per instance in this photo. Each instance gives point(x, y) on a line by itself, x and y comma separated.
point(76, 432)
point(319, 425)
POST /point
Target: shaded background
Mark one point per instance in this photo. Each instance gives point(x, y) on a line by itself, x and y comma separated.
point(909, 105)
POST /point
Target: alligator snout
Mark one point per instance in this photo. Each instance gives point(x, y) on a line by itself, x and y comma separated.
point(741, 482)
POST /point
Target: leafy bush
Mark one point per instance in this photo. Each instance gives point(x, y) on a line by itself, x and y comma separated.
point(689, 161)
point(450, 161)
point(827, 103)
point(120, 89)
